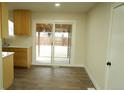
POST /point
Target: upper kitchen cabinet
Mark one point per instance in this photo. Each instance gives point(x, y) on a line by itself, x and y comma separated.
point(4, 20)
point(22, 22)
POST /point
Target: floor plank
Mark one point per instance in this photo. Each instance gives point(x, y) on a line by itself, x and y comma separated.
point(51, 78)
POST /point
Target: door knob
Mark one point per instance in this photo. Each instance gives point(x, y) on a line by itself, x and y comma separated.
point(108, 63)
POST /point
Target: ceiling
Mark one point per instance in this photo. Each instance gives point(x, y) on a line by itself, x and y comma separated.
point(66, 7)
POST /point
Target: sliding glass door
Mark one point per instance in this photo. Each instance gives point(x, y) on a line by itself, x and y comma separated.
point(62, 43)
point(53, 43)
point(43, 42)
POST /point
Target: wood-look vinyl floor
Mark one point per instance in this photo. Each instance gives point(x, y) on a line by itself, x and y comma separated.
point(51, 78)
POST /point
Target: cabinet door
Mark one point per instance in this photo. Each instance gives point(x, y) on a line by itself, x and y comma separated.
point(17, 22)
point(4, 19)
point(8, 71)
point(26, 17)
point(0, 21)
point(20, 58)
point(22, 22)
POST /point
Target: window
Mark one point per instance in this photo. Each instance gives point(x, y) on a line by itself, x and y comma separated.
point(11, 28)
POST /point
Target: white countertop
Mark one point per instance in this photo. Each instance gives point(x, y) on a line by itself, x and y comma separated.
point(5, 54)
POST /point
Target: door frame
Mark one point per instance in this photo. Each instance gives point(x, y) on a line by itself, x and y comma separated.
point(72, 22)
point(113, 6)
point(1, 65)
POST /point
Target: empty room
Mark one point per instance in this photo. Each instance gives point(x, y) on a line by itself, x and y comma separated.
point(61, 45)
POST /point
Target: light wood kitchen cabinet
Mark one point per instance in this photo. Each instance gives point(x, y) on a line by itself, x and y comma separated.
point(22, 22)
point(4, 19)
point(22, 56)
point(8, 71)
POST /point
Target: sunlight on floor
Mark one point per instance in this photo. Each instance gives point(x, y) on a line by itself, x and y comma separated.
point(60, 54)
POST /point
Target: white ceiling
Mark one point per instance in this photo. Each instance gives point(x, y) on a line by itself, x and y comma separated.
point(67, 7)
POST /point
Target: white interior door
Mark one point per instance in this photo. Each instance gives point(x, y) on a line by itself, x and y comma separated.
point(1, 65)
point(116, 71)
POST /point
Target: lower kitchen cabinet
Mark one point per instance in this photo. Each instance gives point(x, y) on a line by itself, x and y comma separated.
point(8, 71)
point(22, 56)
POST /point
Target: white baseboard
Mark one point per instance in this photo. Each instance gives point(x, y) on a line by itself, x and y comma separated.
point(91, 88)
point(92, 79)
point(1, 88)
point(65, 65)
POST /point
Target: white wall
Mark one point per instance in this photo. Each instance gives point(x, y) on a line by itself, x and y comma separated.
point(23, 41)
point(80, 19)
point(79, 52)
point(98, 20)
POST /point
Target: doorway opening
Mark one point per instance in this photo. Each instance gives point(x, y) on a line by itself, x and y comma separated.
point(53, 43)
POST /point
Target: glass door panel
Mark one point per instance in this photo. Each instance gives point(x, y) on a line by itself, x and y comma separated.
point(62, 43)
point(43, 42)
